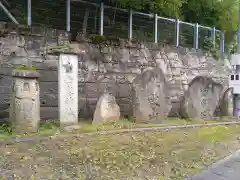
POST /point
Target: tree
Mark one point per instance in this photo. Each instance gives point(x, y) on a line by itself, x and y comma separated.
point(170, 8)
point(222, 14)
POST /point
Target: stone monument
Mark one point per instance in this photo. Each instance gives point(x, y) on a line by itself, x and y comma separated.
point(106, 110)
point(151, 102)
point(68, 89)
point(201, 99)
point(25, 101)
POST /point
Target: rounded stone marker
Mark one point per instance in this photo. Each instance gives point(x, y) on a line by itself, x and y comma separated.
point(25, 101)
point(201, 99)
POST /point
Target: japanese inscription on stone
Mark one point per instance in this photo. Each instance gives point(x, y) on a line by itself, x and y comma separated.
point(68, 89)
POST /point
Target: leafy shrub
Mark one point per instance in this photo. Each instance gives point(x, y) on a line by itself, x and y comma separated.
point(209, 46)
point(6, 128)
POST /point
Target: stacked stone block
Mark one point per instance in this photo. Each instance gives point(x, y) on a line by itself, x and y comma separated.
point(103, 67)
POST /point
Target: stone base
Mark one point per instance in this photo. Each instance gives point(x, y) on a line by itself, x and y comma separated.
point(23, 129)
point(70, 128)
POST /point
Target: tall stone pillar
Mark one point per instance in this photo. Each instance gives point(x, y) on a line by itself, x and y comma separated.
point(25, 101)
point(68, 89)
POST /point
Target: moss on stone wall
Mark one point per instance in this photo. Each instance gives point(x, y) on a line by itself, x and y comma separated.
point(23, 67)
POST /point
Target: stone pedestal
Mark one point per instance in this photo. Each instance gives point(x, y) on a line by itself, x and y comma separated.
point(25, 101)
point(68, 89)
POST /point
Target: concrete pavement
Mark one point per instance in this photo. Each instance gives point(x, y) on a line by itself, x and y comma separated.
point(225, 169)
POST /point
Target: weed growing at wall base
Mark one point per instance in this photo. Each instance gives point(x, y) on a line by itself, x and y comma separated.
point(52, 127)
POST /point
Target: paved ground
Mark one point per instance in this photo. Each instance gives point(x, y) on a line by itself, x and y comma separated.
point(226, 169)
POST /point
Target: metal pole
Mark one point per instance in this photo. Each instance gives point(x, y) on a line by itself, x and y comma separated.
point(222, 50)
point(101, 17)
point(236, 97)
point(196, 28)
point(155, 28)
point(68, 15)
point(130, 24)
point(8, 13)
point(95, 19)
point(29, 13)
point(214, 36)
point(177, 32)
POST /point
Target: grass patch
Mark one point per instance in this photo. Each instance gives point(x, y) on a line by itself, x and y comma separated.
point(214, 134)
point(160, 155)
point(48, 128)
point(51, 127)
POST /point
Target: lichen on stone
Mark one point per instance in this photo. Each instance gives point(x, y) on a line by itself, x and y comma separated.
point(24, 67)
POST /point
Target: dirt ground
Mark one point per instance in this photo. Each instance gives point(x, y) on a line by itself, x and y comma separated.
point(154, 155)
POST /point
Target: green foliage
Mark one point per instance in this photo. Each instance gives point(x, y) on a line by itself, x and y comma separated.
point(171, 8)
point(6, 128)
point(23, 67)
point(211, 47)
point(97, 39)
point(223, 14)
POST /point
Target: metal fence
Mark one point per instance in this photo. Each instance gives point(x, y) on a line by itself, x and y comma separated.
point(97, 18)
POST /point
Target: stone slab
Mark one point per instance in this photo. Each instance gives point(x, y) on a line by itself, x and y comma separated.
point(25, 74)
point(48, 76)
point(49, 113)
point(68, 89)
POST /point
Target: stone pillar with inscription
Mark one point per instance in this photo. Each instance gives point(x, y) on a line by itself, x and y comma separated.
point(68, 89)
point(25, 101)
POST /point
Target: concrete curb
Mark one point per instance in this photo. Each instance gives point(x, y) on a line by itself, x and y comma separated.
point(119, 131)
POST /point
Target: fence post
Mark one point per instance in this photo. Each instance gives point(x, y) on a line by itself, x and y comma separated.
point(5, 10)
point(130, 24)
point(214, 36)
point(101, 17)
point(29, 12)
point(222, 50)
point(196, 28)
point(155, 28)
point(68, 16)
point(177, 32)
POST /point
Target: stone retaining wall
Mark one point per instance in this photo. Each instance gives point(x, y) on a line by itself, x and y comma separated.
point(104, 66)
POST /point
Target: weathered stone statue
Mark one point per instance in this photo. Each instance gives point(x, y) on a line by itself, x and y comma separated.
point(106, 109)
point(201, 99)
point(25, 103)
point(226, 103)
point(151, 103)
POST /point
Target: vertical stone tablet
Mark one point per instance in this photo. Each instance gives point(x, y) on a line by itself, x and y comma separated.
point(68, 89)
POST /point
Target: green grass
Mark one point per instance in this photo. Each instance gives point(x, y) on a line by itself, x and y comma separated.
point(168, 155)
point(48, 128)
point(216, 133)
point(52, 127)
